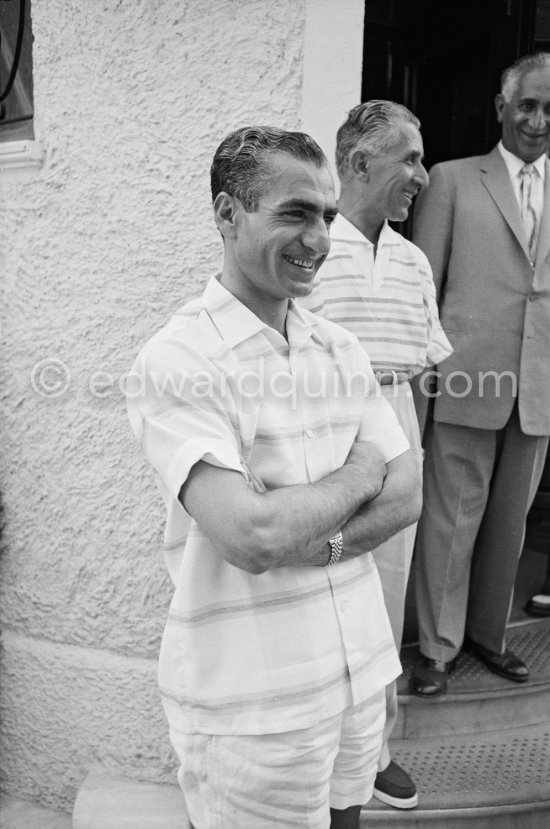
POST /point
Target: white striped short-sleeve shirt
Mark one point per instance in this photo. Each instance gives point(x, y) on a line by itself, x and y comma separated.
point(283, 650)
point(387, 301)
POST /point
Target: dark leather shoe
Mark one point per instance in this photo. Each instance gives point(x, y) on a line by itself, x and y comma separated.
point(505, 664)
point(429, 677)
point(394, 787)
point(538, 605)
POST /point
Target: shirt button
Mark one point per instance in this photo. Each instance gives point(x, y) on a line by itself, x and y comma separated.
point(532, 297)
point(310, 433)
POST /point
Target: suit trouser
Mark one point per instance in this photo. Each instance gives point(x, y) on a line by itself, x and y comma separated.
point(393, 558)
point(478, 487)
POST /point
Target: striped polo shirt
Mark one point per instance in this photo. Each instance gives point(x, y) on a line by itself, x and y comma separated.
point(283, 650)
point(387, 301)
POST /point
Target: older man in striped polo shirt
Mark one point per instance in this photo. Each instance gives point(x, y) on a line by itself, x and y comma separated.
point(379, 286)
point(264, 426)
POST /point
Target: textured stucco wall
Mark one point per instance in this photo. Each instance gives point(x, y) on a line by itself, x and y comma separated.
point(96, 250)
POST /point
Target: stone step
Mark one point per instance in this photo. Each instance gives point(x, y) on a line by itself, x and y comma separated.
point(107, 801)
point(478, 700)
point(16, 813)
point(474, 781)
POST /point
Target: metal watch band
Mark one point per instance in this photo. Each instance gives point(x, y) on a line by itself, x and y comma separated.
point(336, 544)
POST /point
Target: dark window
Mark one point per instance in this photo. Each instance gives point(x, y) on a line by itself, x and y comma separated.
point(16, 98)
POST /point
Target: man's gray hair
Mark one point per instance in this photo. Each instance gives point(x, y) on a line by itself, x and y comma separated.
point(371, 127)
point(511, 76)
point(241, 162)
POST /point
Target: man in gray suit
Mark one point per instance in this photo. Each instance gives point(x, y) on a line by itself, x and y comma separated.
point(484, 224)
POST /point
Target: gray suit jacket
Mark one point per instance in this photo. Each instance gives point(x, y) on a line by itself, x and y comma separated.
point(493, 305)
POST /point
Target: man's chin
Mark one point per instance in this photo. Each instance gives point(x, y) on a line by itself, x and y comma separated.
point(400, 215)
point(531, 154)
point(303, 289)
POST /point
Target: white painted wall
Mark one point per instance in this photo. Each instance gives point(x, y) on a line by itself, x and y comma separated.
point(97, 248)
point(333, 62)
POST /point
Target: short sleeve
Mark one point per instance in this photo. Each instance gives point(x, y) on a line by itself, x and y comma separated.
point(379, 424)
point(438, 346)
point(181, 412)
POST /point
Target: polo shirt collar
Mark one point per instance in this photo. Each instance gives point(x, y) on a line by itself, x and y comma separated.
point(342, 230)
point(299, 328)
point(237, 323)
point(388, 236)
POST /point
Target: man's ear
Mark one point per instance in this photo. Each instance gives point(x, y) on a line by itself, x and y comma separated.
point(226, 209)
point(499, 106)
point(359, 163)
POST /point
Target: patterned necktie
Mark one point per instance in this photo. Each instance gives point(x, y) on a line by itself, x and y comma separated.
point(528, 214)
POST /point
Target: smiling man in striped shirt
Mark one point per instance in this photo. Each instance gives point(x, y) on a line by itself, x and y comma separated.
point(264, 425)
point(379, 286)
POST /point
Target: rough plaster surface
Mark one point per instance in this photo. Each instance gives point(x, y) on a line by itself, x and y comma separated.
point(96, 250)
point(78, 707)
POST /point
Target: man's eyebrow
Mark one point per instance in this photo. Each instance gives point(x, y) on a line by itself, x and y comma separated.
point(530, 99)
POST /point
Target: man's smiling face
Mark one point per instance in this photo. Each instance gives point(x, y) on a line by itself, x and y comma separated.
point(280, 246)
point(525, 118)
point(396, 175)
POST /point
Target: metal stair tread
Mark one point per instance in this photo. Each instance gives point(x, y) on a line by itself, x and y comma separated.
point(505, 771)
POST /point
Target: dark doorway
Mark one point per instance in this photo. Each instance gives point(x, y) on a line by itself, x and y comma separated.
point(444, 59)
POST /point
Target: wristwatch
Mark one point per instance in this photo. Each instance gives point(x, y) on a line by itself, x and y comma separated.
point(336, 544)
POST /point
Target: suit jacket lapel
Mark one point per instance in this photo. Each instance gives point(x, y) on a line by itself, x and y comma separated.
point(494, 176)
point(543, 246)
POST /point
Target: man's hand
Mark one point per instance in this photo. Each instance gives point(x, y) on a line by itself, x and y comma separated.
point(397, 506)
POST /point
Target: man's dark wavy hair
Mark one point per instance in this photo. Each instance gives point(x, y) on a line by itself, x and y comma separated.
point(371, 127)
point(241, 163)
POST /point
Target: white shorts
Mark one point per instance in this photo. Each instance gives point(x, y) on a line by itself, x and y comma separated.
point(288, 780)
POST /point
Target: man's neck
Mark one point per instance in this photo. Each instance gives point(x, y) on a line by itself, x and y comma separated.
point(274, 317)
point(504, 150)
point(270, 311)
point(353, 209)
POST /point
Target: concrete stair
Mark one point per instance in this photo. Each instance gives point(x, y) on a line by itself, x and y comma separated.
point(480, 755)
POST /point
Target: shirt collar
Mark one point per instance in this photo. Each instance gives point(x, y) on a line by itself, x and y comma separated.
point(237, 323)
point(301, 325)
point(514, 164)
point(342, 230)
